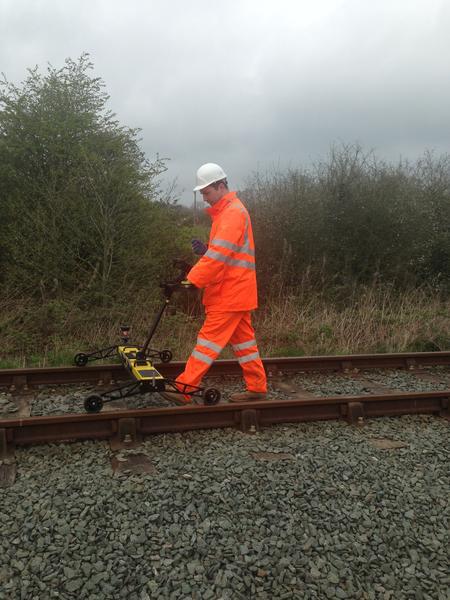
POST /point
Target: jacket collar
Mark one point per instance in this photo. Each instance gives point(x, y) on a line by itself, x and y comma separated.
point(218, 207)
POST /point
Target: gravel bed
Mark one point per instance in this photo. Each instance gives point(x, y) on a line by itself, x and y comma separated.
point(404, 381)
point(336, 384)
point(443, 373)
point(322, 384)
point(8, 408)
point(315, 510)
point(60, 400)
point(70, 398)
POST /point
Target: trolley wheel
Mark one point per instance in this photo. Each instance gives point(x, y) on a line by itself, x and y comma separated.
point(93, 404)
point(165, 356)
point(211, 396)
point(81, 359)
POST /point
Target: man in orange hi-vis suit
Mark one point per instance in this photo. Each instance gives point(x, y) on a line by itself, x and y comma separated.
point(226, 272)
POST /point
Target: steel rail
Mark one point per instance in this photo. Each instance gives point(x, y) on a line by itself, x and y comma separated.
point(130, 426)
point(22, 379)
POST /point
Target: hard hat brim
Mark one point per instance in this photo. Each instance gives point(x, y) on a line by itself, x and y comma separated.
point(200, 187)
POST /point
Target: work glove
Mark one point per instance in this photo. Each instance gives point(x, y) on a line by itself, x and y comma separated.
point(199, 247)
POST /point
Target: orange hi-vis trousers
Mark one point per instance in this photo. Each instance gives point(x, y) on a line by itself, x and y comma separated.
point(219, 329)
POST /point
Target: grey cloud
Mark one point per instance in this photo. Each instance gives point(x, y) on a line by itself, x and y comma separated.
point(251, 84)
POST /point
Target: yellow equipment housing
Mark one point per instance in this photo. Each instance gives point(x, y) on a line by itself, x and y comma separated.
point(141, 369)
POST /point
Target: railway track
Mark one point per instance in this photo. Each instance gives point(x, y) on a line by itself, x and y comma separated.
point(125, 427)
point(23, 379)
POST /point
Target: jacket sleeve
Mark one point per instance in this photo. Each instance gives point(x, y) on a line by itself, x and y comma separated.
point(221, 250)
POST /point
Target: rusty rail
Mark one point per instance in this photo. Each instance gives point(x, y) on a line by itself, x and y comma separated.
point(22, 379)
point(129, 426)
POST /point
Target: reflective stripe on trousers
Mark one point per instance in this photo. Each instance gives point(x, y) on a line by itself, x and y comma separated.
point(219, 329)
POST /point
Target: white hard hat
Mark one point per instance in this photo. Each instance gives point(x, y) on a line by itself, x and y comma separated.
point(207, 174)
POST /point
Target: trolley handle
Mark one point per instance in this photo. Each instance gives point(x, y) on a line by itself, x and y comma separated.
point(175, 284)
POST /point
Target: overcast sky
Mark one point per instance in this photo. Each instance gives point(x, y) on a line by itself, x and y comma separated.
point(251, 84)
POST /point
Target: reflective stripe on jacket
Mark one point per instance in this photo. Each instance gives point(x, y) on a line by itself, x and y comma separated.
point(227, 270)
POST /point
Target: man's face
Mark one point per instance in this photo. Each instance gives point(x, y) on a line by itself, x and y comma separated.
point(211, 195)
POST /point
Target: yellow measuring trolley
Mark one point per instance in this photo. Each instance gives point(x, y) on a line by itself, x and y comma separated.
point(138, 360)
point(141, 369)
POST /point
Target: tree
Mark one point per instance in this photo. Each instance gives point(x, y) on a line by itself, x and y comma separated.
point(77, 195)
point(353, 218)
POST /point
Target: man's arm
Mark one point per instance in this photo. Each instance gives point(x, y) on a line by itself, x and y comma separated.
point(221, 251)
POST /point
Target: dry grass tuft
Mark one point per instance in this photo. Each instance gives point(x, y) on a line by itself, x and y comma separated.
point(371, 320)
point(365, 320)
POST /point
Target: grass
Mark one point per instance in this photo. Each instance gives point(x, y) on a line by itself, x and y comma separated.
point(369, 319)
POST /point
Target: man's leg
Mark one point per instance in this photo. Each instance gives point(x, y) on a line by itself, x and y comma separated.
point(212, 338)
point(246, 351)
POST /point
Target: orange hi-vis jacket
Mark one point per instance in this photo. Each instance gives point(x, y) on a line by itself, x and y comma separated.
point(227, 270)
